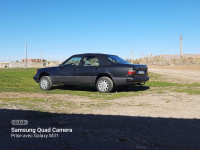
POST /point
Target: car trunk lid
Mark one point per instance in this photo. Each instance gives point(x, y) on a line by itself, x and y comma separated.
point(136, 70)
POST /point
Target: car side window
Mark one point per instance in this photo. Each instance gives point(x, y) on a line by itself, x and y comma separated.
point(112, 60)
point(90, 61)
point(74, 61)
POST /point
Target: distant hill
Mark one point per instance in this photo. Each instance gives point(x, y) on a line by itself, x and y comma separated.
point(167, 56)
point(166, 59)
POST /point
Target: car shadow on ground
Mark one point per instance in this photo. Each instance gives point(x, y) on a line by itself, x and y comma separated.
point(91, 132)
point(75, 88)
point(93, 89)
point(132, 88)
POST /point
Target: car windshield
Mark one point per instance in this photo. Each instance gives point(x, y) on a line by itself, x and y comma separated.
point(117, 60)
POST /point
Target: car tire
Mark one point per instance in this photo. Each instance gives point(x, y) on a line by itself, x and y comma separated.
point(104, 85)
point(45, 83)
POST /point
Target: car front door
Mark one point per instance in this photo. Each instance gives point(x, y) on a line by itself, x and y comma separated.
point(65, 73)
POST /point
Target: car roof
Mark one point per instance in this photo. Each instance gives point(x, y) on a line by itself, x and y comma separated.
point(99, 54)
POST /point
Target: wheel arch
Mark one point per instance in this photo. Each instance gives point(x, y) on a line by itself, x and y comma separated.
point(103, 75)
point(43, 74)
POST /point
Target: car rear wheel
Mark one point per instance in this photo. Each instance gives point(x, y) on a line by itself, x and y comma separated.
point(45, 83)
point(104, 85)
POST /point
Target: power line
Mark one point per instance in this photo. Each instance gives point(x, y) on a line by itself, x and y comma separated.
point(173, 46)
point(195, 27)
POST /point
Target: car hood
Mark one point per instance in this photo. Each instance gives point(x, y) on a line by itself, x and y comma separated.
point(48, 68)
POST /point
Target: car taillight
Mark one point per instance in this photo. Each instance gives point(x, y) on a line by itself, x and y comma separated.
point(147, 72)
point(36, 71)
point(131, 72)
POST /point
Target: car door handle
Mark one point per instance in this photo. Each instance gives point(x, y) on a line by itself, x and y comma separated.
point(97, 68)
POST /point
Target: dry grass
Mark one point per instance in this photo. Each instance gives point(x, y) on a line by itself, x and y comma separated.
point(184, 67)
point(164, 61)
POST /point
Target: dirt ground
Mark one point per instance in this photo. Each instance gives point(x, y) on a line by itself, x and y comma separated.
point(181, 74)
point(165, 105)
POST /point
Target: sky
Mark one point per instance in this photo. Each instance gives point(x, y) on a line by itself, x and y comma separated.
point(62, 28)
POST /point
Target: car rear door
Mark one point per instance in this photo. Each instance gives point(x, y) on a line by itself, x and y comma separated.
point(88, 70)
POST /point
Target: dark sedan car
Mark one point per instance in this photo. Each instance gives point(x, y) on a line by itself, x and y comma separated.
point(101, 70)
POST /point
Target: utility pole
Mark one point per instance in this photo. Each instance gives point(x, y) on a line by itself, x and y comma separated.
point(26, 53)
point(132, 57)
point(181, 47)
point(41, 57)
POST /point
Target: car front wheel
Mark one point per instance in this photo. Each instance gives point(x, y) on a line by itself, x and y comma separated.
point(104, 85)
point(45, 83)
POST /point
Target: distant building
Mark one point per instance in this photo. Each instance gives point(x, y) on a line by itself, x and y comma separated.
point(32, 63)
point(4, 64)
point(31, 60)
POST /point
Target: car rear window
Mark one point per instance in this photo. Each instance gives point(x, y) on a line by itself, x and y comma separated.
point(117, 60)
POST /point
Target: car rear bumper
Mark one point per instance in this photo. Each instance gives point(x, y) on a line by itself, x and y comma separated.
point(118, 81)
point(137, 80)
point(36, 78)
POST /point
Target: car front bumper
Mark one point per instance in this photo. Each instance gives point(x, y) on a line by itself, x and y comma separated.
point(36, 78)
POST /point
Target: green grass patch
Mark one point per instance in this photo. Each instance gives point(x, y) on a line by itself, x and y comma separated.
point(189, 91)
point(168, 84)
point(24, 102)
point(154, 76)
point(162, 84)
point(98, 105)
point(167, 101)
point(143, 104)
point(18, 80)
point(21, 80)
point(23, 99)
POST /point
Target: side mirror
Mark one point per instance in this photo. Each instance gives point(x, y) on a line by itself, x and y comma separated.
point(61, 65)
